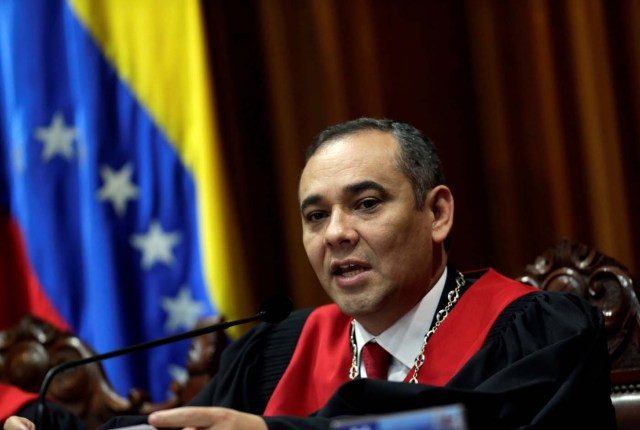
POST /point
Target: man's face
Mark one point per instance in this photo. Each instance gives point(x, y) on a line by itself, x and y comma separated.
point(368, 244)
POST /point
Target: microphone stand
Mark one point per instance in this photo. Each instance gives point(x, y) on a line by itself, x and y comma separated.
point(43, 423)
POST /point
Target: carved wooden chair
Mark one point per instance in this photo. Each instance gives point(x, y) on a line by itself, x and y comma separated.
point(33, 346)
point(606, 283)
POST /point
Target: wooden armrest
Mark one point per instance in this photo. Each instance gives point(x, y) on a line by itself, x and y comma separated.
point(33, 346)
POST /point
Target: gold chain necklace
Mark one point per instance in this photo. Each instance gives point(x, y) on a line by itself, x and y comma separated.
point(441, 315)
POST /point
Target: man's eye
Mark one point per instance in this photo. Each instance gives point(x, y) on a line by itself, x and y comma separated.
point(368, 203)
point(315, 216)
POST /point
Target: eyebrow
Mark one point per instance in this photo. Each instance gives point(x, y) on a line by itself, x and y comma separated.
point(361, 186)
point(310, 200)
point(352, 189)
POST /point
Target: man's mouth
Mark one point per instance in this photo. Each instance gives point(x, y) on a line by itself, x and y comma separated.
point(348, 270)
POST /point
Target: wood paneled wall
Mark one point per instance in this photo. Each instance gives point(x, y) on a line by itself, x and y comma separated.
point(534, 105)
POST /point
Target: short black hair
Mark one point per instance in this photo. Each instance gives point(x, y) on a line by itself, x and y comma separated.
point(417, 156)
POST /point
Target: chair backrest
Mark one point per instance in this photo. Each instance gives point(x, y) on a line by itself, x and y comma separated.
point(30, 348)
point(606, 283)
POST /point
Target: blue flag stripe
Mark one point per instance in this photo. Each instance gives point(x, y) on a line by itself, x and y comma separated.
point(106, 206)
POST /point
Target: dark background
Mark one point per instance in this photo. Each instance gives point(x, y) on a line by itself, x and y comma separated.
point(534, 106)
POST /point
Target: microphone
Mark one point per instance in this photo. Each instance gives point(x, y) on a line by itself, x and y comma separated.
point(272, 310)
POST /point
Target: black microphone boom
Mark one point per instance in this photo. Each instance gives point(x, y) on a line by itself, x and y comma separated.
point(275, 309)
point(272, 310)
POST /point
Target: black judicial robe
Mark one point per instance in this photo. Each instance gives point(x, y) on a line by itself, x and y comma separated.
point(544, 364)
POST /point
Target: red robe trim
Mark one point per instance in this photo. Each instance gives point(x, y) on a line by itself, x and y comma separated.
point(322, 358)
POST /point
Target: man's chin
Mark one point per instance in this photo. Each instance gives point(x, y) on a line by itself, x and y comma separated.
point(358, 309)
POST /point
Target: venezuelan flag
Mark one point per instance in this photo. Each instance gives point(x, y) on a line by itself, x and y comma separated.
point(112, 190)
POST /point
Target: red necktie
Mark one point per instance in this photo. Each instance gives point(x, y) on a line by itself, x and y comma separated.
point(376, 361)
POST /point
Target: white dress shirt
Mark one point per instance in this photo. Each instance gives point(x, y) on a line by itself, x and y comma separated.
point(403, 340)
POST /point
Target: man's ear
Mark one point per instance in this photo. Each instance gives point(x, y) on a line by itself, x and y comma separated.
point(440, 203)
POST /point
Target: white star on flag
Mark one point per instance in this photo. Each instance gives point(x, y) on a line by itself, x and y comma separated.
point(182, 311)
point(118, 187)
point(155, 245)
point(178, 373)
point(57, 138)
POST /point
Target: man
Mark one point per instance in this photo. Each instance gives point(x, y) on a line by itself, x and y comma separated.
point(376, 215)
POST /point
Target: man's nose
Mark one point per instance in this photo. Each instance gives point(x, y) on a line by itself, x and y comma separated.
point(340, 230)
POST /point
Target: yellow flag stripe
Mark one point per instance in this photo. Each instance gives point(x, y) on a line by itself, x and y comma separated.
point(158, 50)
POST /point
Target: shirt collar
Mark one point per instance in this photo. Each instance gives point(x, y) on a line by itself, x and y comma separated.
point(404, 338)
